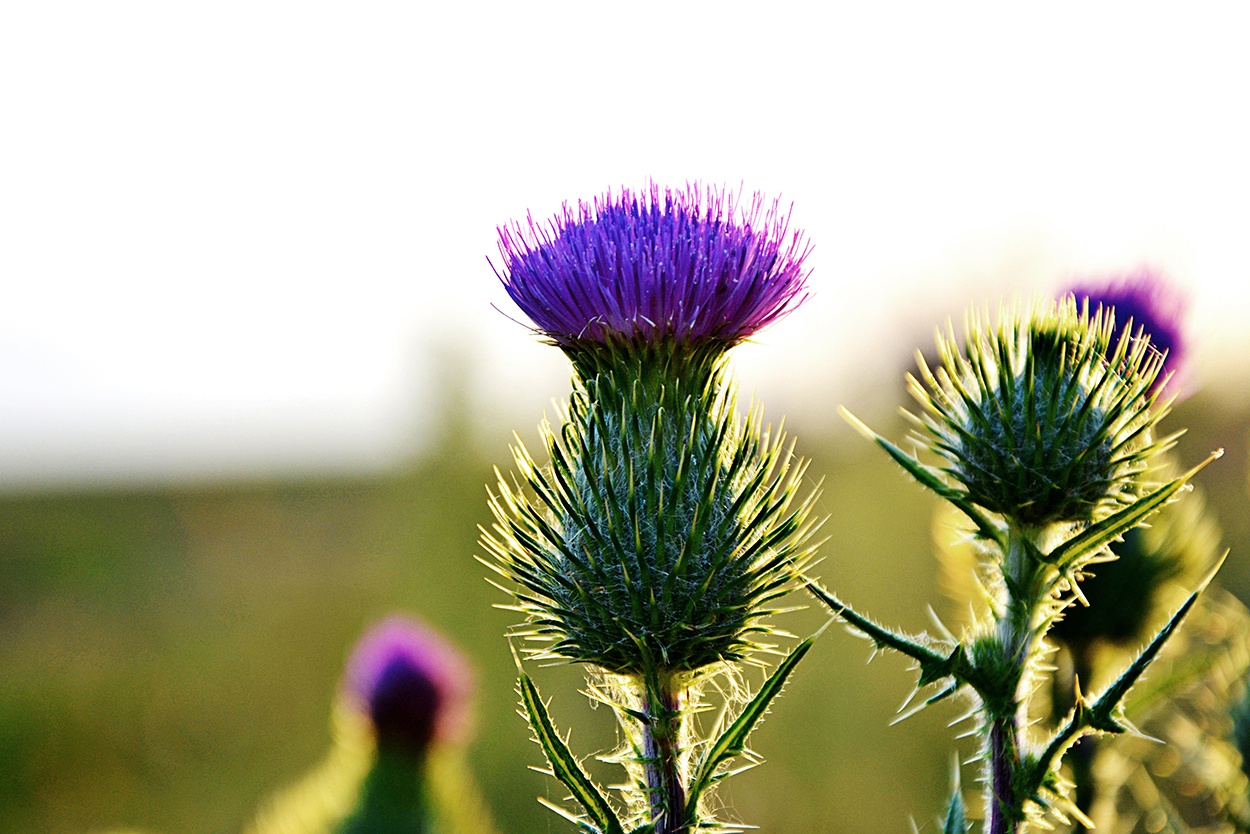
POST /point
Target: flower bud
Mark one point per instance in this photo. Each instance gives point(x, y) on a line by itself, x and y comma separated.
point(1043, 419)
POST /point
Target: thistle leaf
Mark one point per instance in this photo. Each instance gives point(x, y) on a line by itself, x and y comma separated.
point(733, 741)
point(934, 666)
point(563, 764)
point(930, 478)
point(1106, 713)
point(1113, 526)
point(956, 816)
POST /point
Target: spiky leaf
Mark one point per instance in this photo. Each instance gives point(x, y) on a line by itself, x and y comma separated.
point(733, 740)
point(563, 764)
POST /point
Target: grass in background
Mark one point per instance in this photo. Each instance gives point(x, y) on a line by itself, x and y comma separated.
point(168, 657)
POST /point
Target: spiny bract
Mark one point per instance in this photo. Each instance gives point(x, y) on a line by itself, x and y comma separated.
point(661, 529)
point(1046, 418)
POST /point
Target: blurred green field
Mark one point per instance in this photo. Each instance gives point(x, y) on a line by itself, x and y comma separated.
point(168, 657)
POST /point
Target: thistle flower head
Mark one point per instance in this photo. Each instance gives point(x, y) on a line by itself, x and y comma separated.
point(1144, 305)
point(412, 683)
point(1045, 418)
point(689, 265)
point(660, 531)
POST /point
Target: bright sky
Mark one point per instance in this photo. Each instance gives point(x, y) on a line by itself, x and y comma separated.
point(246, 236)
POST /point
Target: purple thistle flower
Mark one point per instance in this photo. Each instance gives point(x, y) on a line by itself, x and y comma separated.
point(412, 683)
point(690, 266)
point(1156, 309)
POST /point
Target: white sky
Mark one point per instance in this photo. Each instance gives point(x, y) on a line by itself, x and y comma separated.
point(242, 236)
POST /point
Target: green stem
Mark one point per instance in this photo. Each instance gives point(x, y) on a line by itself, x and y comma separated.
point(393, 798)
point(1023, 588)
point(662, 755)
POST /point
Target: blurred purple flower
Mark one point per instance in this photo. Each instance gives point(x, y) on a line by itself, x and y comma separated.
point(1156, 309)
point(413, 684)
point(687, 265)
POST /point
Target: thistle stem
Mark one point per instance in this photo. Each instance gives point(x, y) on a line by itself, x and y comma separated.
point(1023, 587)
point(662, 759)
point(1003, 757)
point(392, 798)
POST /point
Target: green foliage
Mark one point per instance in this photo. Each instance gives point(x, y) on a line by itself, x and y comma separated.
point(1046, 424)
point(1126, 595)
point(732, 742)
point(1103, 714)
point(956, 821)
point(643, 728)
point(394, 798)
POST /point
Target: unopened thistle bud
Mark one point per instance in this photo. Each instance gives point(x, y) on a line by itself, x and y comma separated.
point(663, 524)
point(1046, 418)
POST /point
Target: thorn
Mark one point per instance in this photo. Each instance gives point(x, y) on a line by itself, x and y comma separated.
point(908, 714)
point(860, 426)
point(906, 701)
point(1219, 563)
point(828, 623)
point(937, 623)
point(1132, 729)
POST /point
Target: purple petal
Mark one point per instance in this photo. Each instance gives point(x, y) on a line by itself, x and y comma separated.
point(685, 265)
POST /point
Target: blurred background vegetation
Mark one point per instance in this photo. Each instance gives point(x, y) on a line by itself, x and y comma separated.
point(170, 654)
point(230, 213)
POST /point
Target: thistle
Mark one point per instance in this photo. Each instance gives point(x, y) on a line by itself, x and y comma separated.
point(1046, 426)
point(393, 769)
point(688, 266)
point(413, 685)
point(1125, 594)
point(1043, 422)
point(663, 526)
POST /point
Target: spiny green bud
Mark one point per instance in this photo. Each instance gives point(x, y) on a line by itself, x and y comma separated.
point(661, 528)
point(1045, 418)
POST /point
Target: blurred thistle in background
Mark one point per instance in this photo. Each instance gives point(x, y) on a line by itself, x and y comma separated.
point(395, 766)
point(1131, 594)
point(1146, 305)
point(412, 684)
